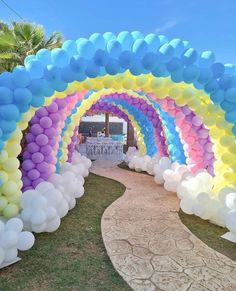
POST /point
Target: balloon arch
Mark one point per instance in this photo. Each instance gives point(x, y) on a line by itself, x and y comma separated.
point(180, 103)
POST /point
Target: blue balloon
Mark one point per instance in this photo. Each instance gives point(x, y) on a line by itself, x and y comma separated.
point(1, 145)
point(29, 58)
point(59, 57)
point(22, 96)
point(70, 47)
point(137, 34)
point(140, 48)
point(112, 67)
point(178, 46)
point(23, 107)
point(100, 57)
point(7, 127)
point(80, 77)
point(230, 69)
point(153, 42)
point(36, 86)
point(190, 73)
point(163, 39)
point(231, 116)
point(218, 70)
point(59, 85)
point(67, 75)
point(47, 89)
point(6, 80)
point(177, 76)
point(52, 73)
point(218, 96)
point(197, 85)
point(35, 68)
point(150, 61)
point(227, 106)
point(92, 70)
point(226, 82)
point(98, 41)
point(189, 57)
point(78, 64)
point(174, 65)
point(126, 59)
point(166, 52)
point(37, 101)
point(234, 130)
point(160, 71)
point(20, 76)
point(207, 59)
point(205, 75)
point(9, 112)
point(137, 68)
point(211, 86)
point(230, 94)
point(6, 95)
point(126, 40)
point(85, 48)
point(114, 48)
point(108, 36)
point(44, 56)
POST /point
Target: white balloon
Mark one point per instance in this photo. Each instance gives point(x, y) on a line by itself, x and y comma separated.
point(14, 224)
point(230, 221)
point(39, 228)
point(27, 197)
point(53, 224)
point(44, 187)
point(26, 214)
point(230, 201)
point(50, 213)
point(38, 217)
point(2, 227)
point(25, 241)
point(40, 202)
point(63, 209)
point(2, 255)
point(9, 239)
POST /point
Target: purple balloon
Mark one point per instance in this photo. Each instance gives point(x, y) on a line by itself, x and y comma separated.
point(36, 129)
point(61, 103)
point(52, 141)
point(42, 167)
point(26, 155)
point(37, 181)
point(44, 176)
point(33, 147)
point(37, 158)
point(42, 112)
point(48, 158)
point(33, 174)
point(55, 117)
point(34, 120)
point(45, 122)
point(30, 137)
point(26, 182)
point(50, 132)
point(46, 150)
point(41, 139)
point(28, 165)
point(52, 108)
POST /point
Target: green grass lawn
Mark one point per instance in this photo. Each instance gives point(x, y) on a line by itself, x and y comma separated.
point(207, 232)
point(73, 257)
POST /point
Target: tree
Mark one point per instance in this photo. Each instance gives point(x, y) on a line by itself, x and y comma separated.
point(20, 39)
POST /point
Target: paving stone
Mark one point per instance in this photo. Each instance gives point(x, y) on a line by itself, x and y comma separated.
point(162, 246)
point(171, 281)
point(165, 264)
point(142, 285)
point(187, 259)
point(184, 244)
point(116, 247)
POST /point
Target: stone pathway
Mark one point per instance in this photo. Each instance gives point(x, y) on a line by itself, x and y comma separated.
point(150, 247)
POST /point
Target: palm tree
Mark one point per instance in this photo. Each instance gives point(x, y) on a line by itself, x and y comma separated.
point(20, 39)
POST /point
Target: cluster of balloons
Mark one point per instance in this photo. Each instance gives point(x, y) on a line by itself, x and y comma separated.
point(44, 206)
point(71, 146)
point(12, 239)
point(193, 134)
point(193, 189)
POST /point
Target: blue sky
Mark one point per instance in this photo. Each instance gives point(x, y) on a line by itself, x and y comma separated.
point(207, 24)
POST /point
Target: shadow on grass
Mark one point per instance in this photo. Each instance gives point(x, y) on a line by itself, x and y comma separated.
point(73, 257)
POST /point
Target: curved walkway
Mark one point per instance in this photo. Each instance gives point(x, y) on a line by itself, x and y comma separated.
point(150, 247)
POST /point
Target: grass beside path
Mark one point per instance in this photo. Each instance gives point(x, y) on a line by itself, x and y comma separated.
point(210, 234)
point(73, 257)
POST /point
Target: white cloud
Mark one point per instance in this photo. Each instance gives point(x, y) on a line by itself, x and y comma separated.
point(169, 24)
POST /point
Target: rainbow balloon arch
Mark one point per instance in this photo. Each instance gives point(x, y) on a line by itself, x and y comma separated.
point(180, 103)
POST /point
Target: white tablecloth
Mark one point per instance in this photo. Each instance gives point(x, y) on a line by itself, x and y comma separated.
point(104, 149)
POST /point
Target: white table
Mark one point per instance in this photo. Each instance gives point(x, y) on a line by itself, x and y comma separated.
point(104, 149)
